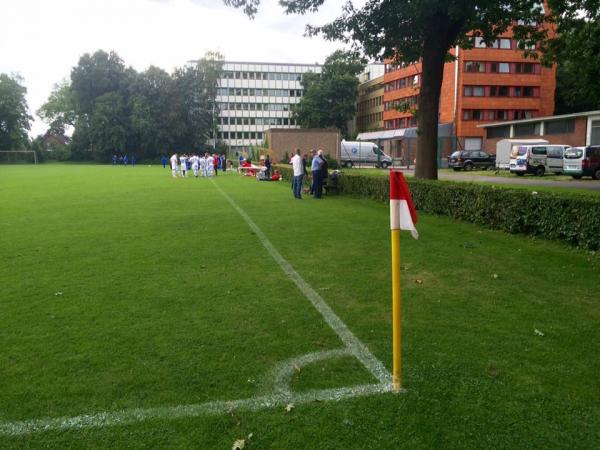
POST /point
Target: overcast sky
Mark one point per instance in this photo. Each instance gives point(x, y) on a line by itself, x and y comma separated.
point(42, 40)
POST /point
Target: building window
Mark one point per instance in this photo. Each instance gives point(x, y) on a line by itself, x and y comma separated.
point(478, 91)
point(500, 67)
point(560, 126)
point(498, 132)
point(505, 44)
point(474, 66)
point(524, 129)
point(524, 67)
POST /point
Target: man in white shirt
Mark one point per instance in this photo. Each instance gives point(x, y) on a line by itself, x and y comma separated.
point(298, 168)
point(210, 165)
point(203, 165)
point(173, 161)
point(183, 161)
point(194, 160)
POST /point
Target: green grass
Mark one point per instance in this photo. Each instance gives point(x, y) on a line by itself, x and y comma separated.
point(168, 298)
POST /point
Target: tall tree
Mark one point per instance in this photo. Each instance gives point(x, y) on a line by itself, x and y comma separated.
point(100, 88)
point(421, 30)
point(59, 110)
point(576, 49)
point(14, 113)
point(150, 94)
point(193, 102)
point(329, 98)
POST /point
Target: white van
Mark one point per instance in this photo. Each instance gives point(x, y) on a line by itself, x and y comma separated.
point(537, 159)
point(363, 152)
point(504, 147)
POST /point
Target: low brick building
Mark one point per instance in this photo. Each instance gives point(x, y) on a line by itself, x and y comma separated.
point(283, 142)
point(570, 129)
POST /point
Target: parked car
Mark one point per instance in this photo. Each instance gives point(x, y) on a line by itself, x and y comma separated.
point(582, 162)
point(537, 159)
point(471, 159)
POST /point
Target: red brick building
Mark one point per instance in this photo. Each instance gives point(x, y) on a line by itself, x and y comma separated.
point(483, 85)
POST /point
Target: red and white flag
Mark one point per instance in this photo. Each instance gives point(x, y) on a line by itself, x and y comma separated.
point(402, 209)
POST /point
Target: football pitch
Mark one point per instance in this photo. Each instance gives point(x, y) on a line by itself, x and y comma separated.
point(141, 311)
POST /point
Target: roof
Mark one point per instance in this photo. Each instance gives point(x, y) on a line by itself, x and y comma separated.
point(444, 130)
point(540, 119)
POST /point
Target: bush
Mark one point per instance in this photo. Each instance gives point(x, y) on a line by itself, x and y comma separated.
point(569, 217)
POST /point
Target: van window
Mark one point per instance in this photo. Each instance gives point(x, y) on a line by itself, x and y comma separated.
point(455, 154)
point(518, 151)
point(573, 153)
point(555, 152)
point(538, 150)
point(592, 152)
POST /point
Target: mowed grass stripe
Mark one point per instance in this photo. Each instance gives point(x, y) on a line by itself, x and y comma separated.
point(147, 294)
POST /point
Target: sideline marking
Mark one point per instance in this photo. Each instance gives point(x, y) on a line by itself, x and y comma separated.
point(355, 346)
point(280, 377)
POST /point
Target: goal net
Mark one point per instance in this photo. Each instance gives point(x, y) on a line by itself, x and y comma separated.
point(18, 157)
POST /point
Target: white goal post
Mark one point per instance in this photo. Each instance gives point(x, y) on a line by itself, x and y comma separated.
point(35, 160)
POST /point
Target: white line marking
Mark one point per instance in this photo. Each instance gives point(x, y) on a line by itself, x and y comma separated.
point(129, 416)
point(356, 347)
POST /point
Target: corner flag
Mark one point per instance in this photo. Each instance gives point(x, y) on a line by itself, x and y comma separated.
point(402, 217)
point(402, 210)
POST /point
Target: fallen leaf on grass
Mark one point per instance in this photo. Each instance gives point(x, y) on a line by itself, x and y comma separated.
point(239, 444)
point(419, 281)
point(58, 293)
point(495, 276)
point(538, 332)
point(297, 368)
point(289, 407)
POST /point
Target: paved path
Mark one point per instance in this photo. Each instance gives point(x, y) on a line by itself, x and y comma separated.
point(587, 184)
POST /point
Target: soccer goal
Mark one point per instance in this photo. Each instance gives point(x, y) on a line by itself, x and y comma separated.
point(18, 156)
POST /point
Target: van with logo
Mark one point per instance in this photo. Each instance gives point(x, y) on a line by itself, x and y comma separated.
point(537, 159)
point(359, 152)
point(582, 162)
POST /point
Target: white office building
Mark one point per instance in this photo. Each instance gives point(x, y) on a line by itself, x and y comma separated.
point(254, 97)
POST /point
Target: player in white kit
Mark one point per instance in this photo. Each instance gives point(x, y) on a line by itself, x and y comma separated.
point(203, 165)
point(195, 164)
point(210, 163)
point(183, 162)
point(173, 161)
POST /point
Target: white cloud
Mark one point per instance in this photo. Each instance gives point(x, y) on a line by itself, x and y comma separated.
point(42, 40)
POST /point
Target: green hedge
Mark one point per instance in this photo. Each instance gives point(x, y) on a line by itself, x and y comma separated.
point(569, 217)
point(565, 216)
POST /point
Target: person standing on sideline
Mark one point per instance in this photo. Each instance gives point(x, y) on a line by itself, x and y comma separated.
point(163, 160)
point(174, 165)
point(268, 166)
point(133, 160)
point(125, 160)
point(216, 163)
point(114, 160)
point(203, 164)
point(223, 162)
point(317, 162)
point(298, 174)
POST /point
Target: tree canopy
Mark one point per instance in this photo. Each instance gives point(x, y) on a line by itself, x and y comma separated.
point(329, 98)
point(14, 113)
point(116, 110)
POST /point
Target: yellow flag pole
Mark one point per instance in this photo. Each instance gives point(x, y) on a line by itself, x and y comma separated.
point(396, 313)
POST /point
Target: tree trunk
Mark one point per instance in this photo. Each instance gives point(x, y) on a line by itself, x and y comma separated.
point(434, 54)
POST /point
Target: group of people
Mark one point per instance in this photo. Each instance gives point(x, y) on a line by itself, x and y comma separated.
point(319, 169)
point(123, 160)
point(206, 165)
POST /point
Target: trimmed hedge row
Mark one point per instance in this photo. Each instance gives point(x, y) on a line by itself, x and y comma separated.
point(562, 216)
